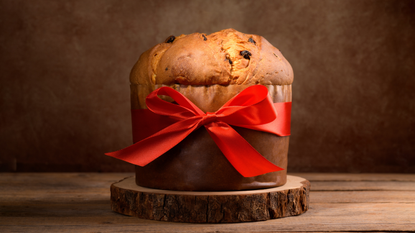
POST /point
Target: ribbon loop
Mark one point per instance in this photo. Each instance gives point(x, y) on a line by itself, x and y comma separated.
point(252, 108)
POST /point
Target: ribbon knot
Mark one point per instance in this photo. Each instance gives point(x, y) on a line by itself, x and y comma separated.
point(252, 109)
point(208, 118)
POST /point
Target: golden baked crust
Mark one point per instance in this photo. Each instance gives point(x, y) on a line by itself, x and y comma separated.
point(226, 57)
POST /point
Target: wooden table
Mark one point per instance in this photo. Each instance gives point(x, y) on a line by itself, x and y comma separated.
point(79, 202)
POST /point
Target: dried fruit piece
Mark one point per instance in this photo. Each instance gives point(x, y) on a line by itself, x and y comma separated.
point(170, 39)
point(204, 37)
point(228, 58)
point(246, 54)
point(252, 41)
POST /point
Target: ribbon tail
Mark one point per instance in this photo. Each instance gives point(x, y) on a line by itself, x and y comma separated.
point(150, 148)
point(243, 157)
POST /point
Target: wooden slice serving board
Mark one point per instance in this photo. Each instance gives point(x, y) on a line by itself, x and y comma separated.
point(211, 207)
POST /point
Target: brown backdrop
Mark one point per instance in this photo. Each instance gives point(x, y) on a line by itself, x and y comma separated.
point(64, 84)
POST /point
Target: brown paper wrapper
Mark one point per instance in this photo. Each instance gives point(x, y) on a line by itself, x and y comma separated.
point(196, 163)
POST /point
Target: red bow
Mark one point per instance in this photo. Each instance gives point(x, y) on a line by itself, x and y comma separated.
point(252, 108)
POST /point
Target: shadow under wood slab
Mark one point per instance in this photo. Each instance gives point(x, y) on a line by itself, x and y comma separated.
point(211, 207)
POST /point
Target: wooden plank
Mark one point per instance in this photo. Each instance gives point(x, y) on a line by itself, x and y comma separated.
point(30, 197)
point(363, 196)
point(79, 178)
point(52, 184)
point(60, 179)
point(97, 218)
point(363, 186)
point(83, 179)
point(329, 177)
point(315, 197)
point(58, 182)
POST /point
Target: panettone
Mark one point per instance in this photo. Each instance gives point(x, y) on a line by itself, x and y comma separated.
point(209, 70)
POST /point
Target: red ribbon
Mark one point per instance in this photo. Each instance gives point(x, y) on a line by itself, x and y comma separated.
point(170, 123)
